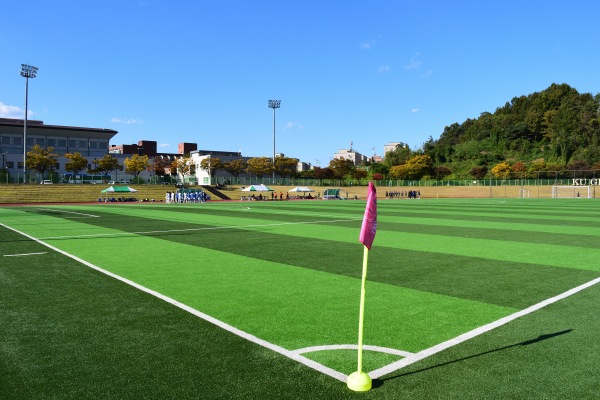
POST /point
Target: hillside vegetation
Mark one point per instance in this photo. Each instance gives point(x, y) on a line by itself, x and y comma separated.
point(549, 130)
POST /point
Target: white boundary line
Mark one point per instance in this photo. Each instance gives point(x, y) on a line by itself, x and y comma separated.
point(476, 332)
point(68, 212)
point(24, 254)
point(378, 349)
point(278, 349)
point(410, 358)
point(116, 234)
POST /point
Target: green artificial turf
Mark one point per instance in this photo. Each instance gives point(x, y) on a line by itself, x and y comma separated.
point(289, 274)
point(71, 332)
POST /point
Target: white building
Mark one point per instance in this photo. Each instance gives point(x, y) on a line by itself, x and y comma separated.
point(354, 156)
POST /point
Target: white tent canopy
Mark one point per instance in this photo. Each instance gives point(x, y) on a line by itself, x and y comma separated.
point(257, 188)
point(301, 189)
point(119, 189)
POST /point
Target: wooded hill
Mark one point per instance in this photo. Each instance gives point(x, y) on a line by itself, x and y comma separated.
point(557, 128)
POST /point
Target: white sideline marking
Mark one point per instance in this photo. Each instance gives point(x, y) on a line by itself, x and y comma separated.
point(476, 332)
point(24, 254)
point(410, 358)
point(194, 229)
point(69, 212)
point(278, 349)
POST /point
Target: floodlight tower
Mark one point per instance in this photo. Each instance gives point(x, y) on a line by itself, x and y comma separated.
point(27, 71)
point(274, 104)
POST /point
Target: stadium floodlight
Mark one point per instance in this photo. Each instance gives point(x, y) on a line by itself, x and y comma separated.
point(27, 71)
point(274, 104)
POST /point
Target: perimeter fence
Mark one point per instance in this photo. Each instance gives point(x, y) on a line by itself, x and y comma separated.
point(536, 178)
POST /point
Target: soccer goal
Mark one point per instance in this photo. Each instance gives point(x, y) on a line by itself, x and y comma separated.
point(523, 193)
point(571, 192)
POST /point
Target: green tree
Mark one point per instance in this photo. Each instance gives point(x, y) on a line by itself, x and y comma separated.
point(76, 163)
point(379, 168)
point(135, 165)
point(310, 173)
point(260, 166)
point(235, 167)
point(211, 165)
point(557, 124)
point(415, 168)
point(323, 173)
point(400, 155)
point(398, 172)
point(341, 167)
point(286, 166)
point(359, 173)
point(183, 166)
point(537, 168)
point(479, 172)
point(441, 172)
point(42, 159)
point(105, 165)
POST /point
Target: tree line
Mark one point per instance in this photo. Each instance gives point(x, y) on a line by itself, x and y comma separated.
point(549, 133)
point(552, 133)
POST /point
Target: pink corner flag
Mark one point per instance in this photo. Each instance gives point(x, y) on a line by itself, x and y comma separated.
point(369, 225)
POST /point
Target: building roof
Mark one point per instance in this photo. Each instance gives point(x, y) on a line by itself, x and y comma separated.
point(34, 127)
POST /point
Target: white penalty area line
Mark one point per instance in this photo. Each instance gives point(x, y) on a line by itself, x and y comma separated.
point(476, 332)
point(24, 254)
point(245, 335)
point(69, 212)
point(114, 234)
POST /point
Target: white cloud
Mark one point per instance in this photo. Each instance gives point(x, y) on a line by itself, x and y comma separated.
point(414, 63)
point(367, 45)
point(126, 121)
point(293, 125)
point(164, 145)
point(7, 111)
point(383, 69)
point(414, 110)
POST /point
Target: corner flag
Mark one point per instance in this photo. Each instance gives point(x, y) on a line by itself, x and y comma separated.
point(369, 225)
point(360, 381)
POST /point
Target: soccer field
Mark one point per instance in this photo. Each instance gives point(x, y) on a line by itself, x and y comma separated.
point(260, 299)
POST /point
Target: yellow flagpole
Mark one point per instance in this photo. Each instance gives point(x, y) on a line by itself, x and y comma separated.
point(360, 381)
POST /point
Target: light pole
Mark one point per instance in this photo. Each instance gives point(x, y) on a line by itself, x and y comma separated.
point(274, 104)
point(28, 71)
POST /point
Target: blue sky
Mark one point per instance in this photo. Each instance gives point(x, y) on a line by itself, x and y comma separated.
point(366, 72)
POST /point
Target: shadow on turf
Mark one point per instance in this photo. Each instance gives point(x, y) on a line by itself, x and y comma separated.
point(525, 343)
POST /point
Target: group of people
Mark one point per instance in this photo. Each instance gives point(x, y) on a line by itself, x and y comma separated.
point(186, 196)
point(274, 197)
point(410, 194)
point(260, 197)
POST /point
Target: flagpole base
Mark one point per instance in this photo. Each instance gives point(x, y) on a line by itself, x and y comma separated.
point(359, 381)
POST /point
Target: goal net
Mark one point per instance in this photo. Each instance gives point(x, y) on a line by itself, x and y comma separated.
point(523, 193)
point(571, 192)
